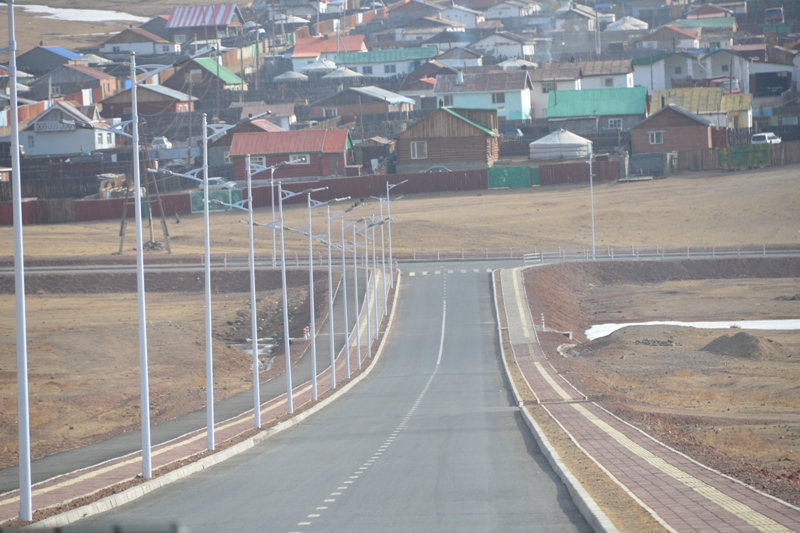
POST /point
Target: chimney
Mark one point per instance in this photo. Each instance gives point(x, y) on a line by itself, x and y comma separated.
point(460, 78)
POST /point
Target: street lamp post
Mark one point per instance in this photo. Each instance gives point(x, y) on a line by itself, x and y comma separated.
point(366, 282)
point(389, 215)
point(272, 198)
point(375, 275)
point(591, 198)
point(355, 293)
point(383, 265)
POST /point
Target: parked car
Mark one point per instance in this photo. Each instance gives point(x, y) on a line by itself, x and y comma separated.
point(215, 184)
point(438, 169)
point(161, 143)
point(766, 137)
point(512, 133)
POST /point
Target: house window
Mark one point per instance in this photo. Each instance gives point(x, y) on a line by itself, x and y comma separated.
point(656, 137)
point(548, 86)
point(724, 68)
point(608, 82)
point(31, 141)
point(366, 71)
point(678, 70)
point(108, 138)
point(226, 157)
point(390, 69)
point(165, 48)
point(299, 159)
point(180, 38)
point(419, 150)
point(99, 138)
point(259, 160)
point(446, 100)
point(329, 112)
point(115, 49)
point(498, 98)
point(615, 123)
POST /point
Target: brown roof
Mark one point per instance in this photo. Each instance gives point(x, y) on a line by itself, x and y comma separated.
point(605, 68)
point(555, 72)
point(314, 46)
point(89, 71)
point(290, 142)
point(496, 81)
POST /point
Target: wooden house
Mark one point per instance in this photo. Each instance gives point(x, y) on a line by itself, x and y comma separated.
point(43, 59)
point(204, 22)
point(457, 139)
point(137, 40)
point(204, 75)
point(671, 129)
point(151, 100)
point(358, 101)
point(68, 79)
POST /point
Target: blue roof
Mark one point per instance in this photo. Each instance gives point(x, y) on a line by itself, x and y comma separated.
point(63, 52)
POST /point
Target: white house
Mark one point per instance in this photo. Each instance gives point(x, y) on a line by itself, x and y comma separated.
point(512, 9)
point(551, 78)
point(606, 74)
point(140, 41)
point(727, 63)
point(671, 38)
point(657, 72)
point(56, 131)
point(466, 16)
point(505, 45)
point(386, 63)
point(459, 58)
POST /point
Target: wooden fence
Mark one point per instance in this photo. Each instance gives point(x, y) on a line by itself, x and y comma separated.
point(787, 153)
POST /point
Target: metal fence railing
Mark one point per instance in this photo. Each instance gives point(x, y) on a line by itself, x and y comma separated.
point(606, 253)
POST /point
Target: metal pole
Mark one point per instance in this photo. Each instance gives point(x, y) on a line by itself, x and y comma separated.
point(253, 309)
point(375, 277)
point(330, 304)
point(389, 216)
point(366, 284)
point(591, 199)
point(147, 471)
point(355, 295)
point(286, 343)
point(383, 267)
point(209, 338)
point(272, 197)
point(23, 415)
point(311, 303)
point(344, 293)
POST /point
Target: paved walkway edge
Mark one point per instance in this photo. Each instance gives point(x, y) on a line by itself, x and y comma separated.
point(583, 501)
point(112, 502)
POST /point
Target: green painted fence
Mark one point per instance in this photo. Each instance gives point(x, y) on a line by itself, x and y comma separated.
point(509, 177)
point(744, 157)
point(535, 181)
point(228, 196)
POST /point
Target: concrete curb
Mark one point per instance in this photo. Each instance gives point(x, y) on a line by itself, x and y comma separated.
point(117, 500)
point(583, 501)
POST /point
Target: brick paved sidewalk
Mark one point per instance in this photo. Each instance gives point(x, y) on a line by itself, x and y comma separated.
point(680, 493)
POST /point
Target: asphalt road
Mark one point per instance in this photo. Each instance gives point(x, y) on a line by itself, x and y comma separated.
point(430, 441)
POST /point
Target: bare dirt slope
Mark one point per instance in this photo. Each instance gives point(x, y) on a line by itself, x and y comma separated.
point(728, 398)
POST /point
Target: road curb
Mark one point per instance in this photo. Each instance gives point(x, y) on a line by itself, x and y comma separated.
point(586, 505)
point(111, 502)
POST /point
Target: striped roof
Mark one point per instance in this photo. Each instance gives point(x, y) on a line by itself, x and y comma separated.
point(314, 46)
point(291, 142)
point(203, 16)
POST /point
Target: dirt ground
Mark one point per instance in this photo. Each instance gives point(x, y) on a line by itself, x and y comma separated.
point(83, 341)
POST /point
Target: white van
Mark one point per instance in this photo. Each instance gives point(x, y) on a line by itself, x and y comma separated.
point(765, 138)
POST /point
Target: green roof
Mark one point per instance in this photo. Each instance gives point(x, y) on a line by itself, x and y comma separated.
point(710, 22)
point(597, 102)
point(211, 65)
point(468, 121)
point(385, 56)
point(656, 58)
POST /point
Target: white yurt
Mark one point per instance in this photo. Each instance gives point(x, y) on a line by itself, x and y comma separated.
point(560, 145)
point(627, 24)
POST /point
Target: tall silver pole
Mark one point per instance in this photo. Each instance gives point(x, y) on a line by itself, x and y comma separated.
point(375, 277)
point(383, 266)
point(591, 198)
point(344, 294)
point(147, 471)
point(253, 307)
point(272, 197)
point(366, 284)
point(286, 343)
point(389, 216)
point(311, 303)
point(330, 304)
point(209, 338)
point(23, 414)
point(355, 296)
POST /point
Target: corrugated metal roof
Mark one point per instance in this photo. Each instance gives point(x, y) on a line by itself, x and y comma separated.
point(93, 72)
point(494, 81)
point(468, 121)
point(386, 56)
point(382, 94)
point(597, 102)
point(550, 73)
point(701, 100)
point(63, 52)
point(290, 142)
point(314, 46)
point(211, 65)
point(677, 109)
point(201, 16)
point(711, 23)
point(605, 68)
point(166, 91)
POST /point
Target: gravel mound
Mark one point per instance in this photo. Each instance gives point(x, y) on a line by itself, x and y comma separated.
point(746, 346)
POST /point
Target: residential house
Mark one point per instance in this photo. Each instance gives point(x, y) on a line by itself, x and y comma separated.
point(151, 100)
point(460, 58)
point(204, 75)
point(57, 131)
point(595, 110)
point(708, 11)
point(605, 74)
point(504, 45)
point(710, 103)
point(728, 64)
point(421, 91)
point(310, 153)
point(430, 69)
point(769, 81)
point(457, 139)
point(671, 129)
point(219, 148)
point(449, 39)
point(309, 49)
point(665, 71)
point(283, 115)
point(386, 63)
point(717, 32)
point(470, 18)
point(157, 26)
point(137, 40)
point(40, 60)
point(506, 91)
point(575, 18)
point(511, 9)
point(359, 101)
point(204, 22)
point(671, 38)
point(551, 78)
point(426, 27)
point(68, 79)
point(407, 10)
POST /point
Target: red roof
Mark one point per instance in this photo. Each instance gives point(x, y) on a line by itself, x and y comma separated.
point(89, 71)
point(314, 46)
point(202, 16)
point(290, 142)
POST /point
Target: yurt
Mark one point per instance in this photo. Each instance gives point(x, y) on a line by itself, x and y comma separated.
point(290, 76)
point(560, 145)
